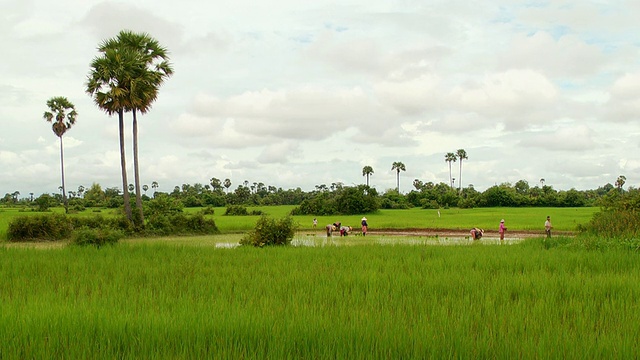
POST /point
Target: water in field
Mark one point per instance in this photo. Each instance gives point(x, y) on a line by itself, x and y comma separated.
point(323, 240)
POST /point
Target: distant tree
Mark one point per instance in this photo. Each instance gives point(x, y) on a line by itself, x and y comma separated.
point(145, 187)
point(367, 171)
point(418, 184)
point(216, 184)
point(450, 157)
point(81, 190)
point(227, 184)
point(398, 166)
point(62, 114)
point(620, 182)
point(462, 155)
point(542, 182)
point(154, 186)
point(522, 187)
point(131, 187)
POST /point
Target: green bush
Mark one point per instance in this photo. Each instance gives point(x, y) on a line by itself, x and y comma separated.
point(269, 231)
point(209, 210)
point(180, 224)
point(236, 210)
point(39, 227)
point(96, 237)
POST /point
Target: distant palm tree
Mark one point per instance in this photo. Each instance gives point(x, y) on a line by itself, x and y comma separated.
point(227, 184)
point(145, 187)
point(62, 114)
point(462, 155)
point(154, 186)
point(367, 171)
point(450, 157)
point(542, 182)
point(398, 166)
point(620, 182)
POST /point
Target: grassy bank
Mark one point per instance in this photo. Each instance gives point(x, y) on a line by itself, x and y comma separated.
point(142, 300)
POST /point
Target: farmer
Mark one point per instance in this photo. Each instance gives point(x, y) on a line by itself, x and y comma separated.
point(330, 228)
point(502, 229)
point(364, 226)
point(344, 230)
point(548, 227)
point(476, 233)
point(315, 222)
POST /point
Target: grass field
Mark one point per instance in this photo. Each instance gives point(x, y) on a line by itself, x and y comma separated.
point(517, 219)
point(151, 300)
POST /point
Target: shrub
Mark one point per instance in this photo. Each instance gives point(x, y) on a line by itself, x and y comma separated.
point(96, 237)
point(235, 210)
point(209, 210)
point(39, 227)
point(181, 224)
point(269, 231)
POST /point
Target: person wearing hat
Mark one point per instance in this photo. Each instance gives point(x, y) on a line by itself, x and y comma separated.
point(502, 229)
point(364, 226)
point(547, 226)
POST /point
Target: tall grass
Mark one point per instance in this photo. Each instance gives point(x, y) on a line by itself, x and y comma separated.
point(137, 300)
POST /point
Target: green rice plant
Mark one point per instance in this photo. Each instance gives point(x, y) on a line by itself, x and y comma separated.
point(142, 300)
point(96, 237)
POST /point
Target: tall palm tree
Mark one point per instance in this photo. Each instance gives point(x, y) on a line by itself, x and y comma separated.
point(462, 155)
point(450, 157)
point(109, 84)
point(542, 182)
point(227, 184)
point(144, 84)
point(62, 114)
point(398, 166)
point(367, 171)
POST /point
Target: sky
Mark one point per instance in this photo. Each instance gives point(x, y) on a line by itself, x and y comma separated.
point(296, 94)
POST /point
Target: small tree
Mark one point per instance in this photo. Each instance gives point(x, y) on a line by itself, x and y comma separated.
point(269, 231)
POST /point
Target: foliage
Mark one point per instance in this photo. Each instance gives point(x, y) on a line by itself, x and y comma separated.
point(96, 237)
point(39, 227)
point(239, 210)
point(44, 202)
point(269, 231)
point(180, 224)
point(361, 199)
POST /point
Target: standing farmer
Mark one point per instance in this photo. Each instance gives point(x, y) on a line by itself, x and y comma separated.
point(364, 226)
point(502, 229)
point(548, 227)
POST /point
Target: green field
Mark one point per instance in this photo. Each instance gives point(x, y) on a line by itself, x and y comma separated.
point(144, 300)
point(189, 298)
point(517, 219)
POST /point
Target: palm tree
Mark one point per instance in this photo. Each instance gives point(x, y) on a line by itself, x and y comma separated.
point(227, 184)
point(62, 114)
point(398, 166)
point(144, 84)
point(145, 187)
point(367, 171)
point(620, 182)
point(542, 182)
point(450, 157)
point(462, 155)
point(109, 85)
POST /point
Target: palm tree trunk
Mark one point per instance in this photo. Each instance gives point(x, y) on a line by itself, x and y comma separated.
point(64, 192)
point(398, 181)
point(123, 166)
point(136, 171)
point(460, 179)
point(450, 181)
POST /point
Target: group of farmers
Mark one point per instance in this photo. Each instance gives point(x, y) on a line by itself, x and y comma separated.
point(476, 233)
point(345, 230)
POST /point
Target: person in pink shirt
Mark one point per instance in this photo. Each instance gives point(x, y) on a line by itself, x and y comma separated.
point(502, 229)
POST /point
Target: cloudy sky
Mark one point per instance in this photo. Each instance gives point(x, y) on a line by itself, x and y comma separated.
point(296, 94)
